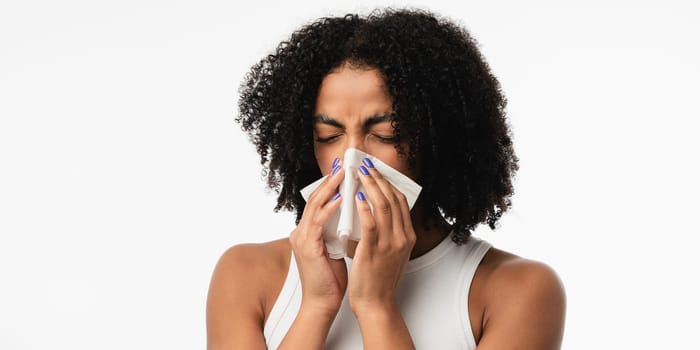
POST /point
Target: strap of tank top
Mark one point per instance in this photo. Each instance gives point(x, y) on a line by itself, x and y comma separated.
point(477, 250)
point(291, 283)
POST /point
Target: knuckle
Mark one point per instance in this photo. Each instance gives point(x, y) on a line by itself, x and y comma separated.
point(411, 237)
point(384, 206)
point(395, 200)
point(400, 197)
point(317, 221)
point(401, 242)
point(369, 226)
point(313, 195)
point(405, 240)
point(384, 247)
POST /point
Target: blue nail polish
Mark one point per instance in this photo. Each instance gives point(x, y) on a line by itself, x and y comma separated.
point(361, 196)
point(336, 196)
point(368, 163)
point(336, 169)
point(335, 162)
point(363, 170)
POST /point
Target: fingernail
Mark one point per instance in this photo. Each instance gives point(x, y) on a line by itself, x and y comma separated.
point(363, 170)
point(368, 163)
point(361, 196)
point(335, 170)
point(335, 162)
point(336, 196)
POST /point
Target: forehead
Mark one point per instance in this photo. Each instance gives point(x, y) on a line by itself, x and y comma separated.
point(353, 86)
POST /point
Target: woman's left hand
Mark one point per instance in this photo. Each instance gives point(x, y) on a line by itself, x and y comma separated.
point(386, 241)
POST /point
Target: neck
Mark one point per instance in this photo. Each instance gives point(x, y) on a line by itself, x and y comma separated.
point(430, 227)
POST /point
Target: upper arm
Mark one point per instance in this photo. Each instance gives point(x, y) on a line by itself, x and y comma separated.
point(234, 312)
point(526, 308)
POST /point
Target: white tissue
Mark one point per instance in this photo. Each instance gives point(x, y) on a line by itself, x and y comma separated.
point(344, 224)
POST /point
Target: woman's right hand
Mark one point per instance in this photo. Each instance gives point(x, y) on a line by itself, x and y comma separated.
point(323, 280)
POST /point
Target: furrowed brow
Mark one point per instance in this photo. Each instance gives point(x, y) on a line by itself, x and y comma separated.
point(324, 119)
point(376, 119)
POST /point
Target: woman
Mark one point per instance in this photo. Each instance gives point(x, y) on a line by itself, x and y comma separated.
point(412, 90)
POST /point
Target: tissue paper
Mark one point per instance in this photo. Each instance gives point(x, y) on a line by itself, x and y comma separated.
point(344, 224)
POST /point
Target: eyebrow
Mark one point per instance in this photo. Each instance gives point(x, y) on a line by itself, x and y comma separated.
point(372, 120)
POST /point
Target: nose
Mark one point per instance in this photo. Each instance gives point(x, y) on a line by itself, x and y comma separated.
point(355, 141)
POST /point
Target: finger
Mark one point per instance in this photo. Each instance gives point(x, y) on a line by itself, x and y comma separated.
point(312, 222)
point(323, 195)
point(382, 206)
point(328, 209)
point(387, 190)
point(327, 189)
point(314, 231)
point(391, 194)
point(406, 216)
point(368, 227)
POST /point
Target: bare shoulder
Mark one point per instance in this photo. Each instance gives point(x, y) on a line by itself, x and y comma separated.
point(244, 285)
point(508, 271)
point(250, 258)
point(523, 298)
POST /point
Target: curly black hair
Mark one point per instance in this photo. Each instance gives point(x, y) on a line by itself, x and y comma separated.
point(447, 106)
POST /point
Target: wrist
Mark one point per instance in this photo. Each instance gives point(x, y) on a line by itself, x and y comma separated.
point(375, 310)
point(309, 329)
point(319, 311)
point(383, 327)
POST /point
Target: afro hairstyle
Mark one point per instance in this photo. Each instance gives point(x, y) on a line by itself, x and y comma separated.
point(447, 105)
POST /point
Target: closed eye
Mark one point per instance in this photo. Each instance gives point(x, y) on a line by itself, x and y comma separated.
point(326, 139)
point(386, 139)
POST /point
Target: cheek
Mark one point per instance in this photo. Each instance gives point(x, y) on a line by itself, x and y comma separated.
point(324, 159)
point(390, 157)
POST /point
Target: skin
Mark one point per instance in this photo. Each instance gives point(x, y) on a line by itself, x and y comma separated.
point(513, 303)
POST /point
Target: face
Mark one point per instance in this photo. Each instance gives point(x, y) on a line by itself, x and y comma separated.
point(352, 111)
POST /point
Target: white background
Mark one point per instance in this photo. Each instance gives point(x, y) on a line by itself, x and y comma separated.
point(123, 176)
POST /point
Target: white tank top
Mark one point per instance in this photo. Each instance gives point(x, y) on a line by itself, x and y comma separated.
point(433, 298)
